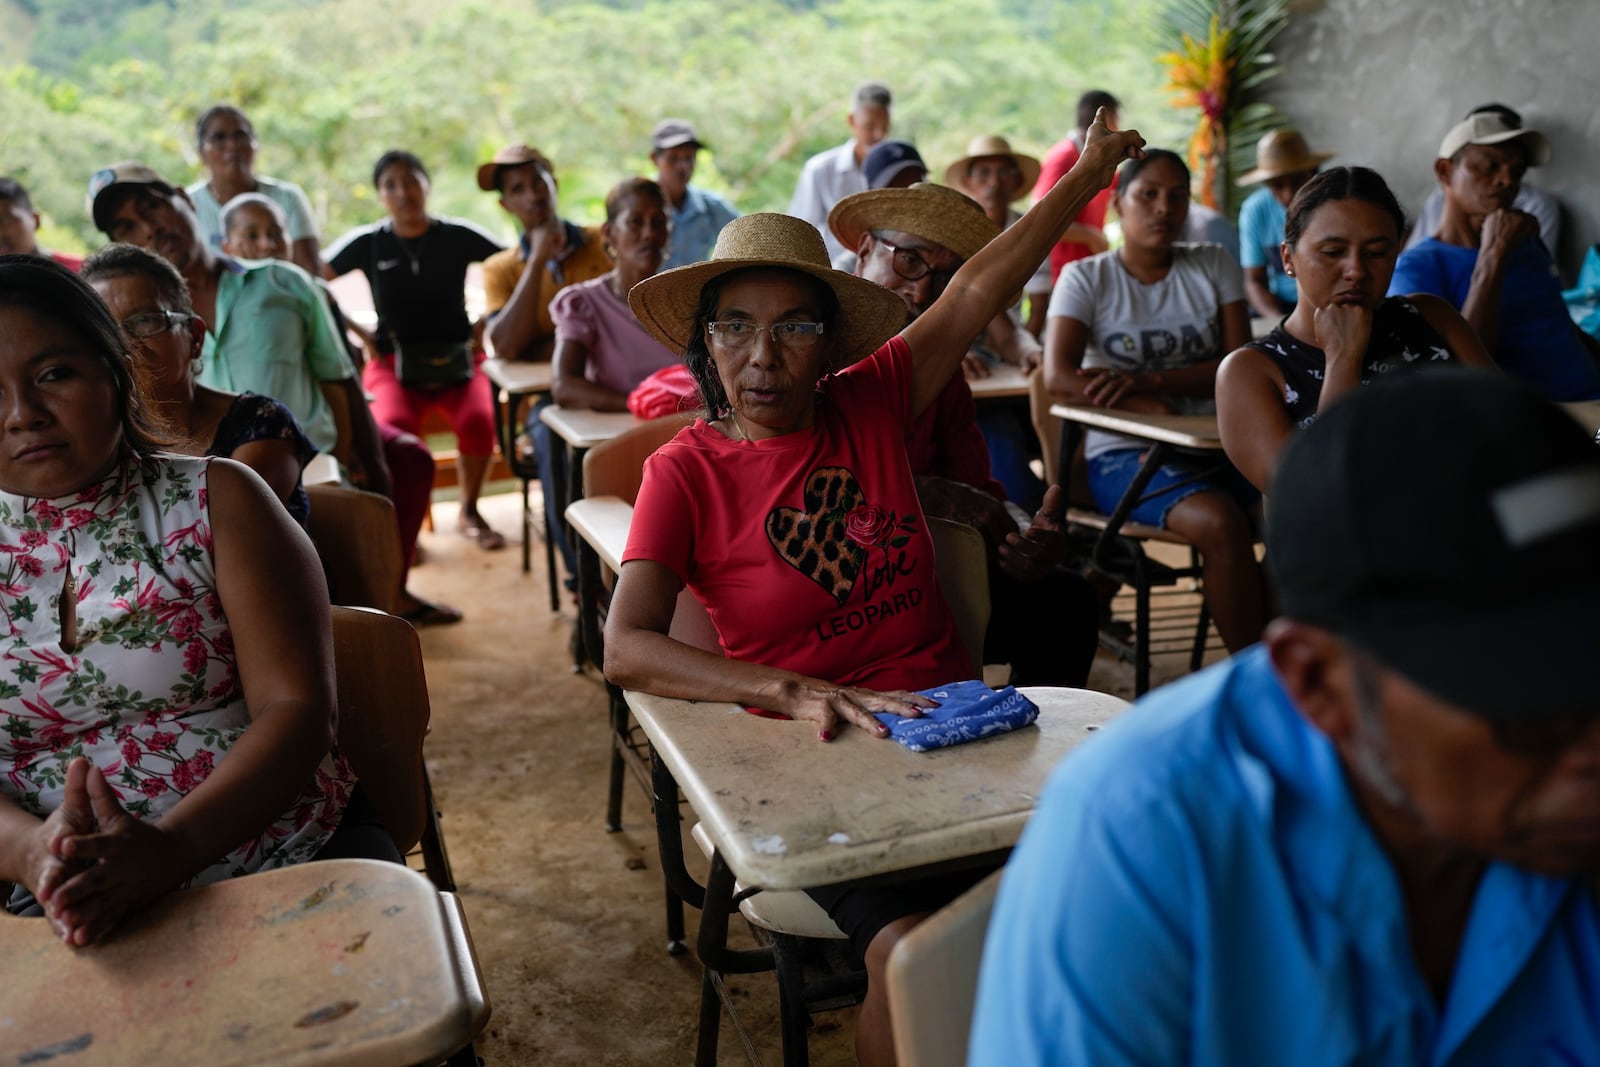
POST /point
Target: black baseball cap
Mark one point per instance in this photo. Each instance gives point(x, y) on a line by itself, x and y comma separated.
point(1447, 522)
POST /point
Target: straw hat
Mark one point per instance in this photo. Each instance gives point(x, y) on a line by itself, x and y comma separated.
point(1283, 152)
point(934, 213)
point(665, 303)
point(993, 145)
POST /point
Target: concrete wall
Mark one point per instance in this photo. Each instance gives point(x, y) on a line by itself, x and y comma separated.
point(1380, 82)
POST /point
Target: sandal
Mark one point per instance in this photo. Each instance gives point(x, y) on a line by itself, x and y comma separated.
point(488, 538)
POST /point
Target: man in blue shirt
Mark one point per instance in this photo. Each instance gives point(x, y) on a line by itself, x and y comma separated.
point(1284, 162)
point(1486, 258)
point(1371, 839)
point(698, 215)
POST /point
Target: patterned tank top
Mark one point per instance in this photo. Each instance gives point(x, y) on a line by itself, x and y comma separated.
point(151, 691)
point(1401, 338)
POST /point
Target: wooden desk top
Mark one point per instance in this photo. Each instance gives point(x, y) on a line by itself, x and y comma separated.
point(343, 962)
point(585, 429)
point(1185, 431)
point(1003, 381)
point(603, 522)
point(518, 378)
point(788, 811)
point(1586, 412)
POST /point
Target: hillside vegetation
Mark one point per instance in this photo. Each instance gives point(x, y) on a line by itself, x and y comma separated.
point(330, 84)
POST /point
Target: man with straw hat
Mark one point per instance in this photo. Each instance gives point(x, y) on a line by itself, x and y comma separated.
point(911, 241)
point(790, 511)
point(997, 177)
point(1284, 162)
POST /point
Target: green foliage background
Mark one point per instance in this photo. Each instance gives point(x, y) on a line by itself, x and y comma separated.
point(330, 84)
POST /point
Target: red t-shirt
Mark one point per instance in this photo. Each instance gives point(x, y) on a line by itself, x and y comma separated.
point(72, 263)
point(1052, 169)
point(809, 550)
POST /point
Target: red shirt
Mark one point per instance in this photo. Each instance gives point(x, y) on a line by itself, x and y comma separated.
point(1052, 169)
point(72, 263)
point(809, 550)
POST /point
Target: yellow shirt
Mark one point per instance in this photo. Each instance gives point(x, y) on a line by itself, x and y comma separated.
point(503, 270)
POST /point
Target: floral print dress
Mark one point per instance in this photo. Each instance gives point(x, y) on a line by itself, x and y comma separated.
point(151, 694)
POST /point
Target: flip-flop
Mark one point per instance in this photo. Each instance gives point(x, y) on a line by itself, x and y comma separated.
point(426, 614)
point(487, 537)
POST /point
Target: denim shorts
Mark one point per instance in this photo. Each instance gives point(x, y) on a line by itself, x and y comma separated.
point(1110, 474)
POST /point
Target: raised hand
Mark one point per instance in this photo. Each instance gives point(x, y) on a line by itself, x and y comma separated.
point(1104, 149)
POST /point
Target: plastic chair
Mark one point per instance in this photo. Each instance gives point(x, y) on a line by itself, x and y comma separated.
point(358, 541)
point(933, 980)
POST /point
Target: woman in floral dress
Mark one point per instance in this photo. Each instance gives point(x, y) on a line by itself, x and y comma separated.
point(166, 675)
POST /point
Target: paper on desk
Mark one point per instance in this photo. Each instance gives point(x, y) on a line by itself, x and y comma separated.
point(967, 711)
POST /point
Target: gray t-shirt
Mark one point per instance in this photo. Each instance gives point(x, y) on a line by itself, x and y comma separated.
point(1176, 322)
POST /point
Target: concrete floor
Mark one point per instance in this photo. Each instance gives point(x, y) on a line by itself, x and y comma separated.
point(567, 918)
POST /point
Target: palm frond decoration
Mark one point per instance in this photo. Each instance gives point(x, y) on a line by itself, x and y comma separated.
point(1221, 61)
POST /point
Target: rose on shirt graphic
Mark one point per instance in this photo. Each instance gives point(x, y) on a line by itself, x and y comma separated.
point(831, 538)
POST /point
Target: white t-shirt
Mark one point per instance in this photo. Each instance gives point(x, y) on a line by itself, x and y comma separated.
point(1176, 322)
point(287, 195)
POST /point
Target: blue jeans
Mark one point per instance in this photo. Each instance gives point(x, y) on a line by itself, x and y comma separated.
point(554, 523)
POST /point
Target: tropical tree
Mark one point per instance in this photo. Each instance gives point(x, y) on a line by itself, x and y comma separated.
point(1218, 62)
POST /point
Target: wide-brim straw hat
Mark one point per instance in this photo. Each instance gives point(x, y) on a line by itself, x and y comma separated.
point(665, 303)
point(1283, 152)
point(934, 213)
point(989, 145)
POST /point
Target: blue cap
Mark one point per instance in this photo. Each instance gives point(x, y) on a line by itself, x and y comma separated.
point(887, 160)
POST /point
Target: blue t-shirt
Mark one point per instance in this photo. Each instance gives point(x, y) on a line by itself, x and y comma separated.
point(1538, 342)
point(1198, 887)
point(1261, 222)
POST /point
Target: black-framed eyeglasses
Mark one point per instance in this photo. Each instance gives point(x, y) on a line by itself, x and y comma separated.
point(737, 335)
point(149, 323)
point(912, 267)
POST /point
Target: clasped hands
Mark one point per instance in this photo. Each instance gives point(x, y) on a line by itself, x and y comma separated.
point(92, 863)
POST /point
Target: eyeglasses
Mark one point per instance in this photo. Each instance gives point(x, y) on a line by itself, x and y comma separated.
point(738, 335)
point(149, 323)
point(913, 267)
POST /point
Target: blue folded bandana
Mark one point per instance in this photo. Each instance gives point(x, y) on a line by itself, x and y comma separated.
point(967, 711)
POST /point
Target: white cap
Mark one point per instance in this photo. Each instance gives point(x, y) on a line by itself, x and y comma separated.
point(1488, 127)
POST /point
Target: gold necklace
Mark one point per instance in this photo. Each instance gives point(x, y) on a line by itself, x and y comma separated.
point(734, 418)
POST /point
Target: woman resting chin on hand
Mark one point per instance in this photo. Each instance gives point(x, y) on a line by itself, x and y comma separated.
point(168, 674)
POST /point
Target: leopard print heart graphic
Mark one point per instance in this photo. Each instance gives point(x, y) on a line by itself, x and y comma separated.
point(813, 541)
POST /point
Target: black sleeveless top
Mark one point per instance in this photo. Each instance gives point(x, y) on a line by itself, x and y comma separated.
point(1401, 338)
